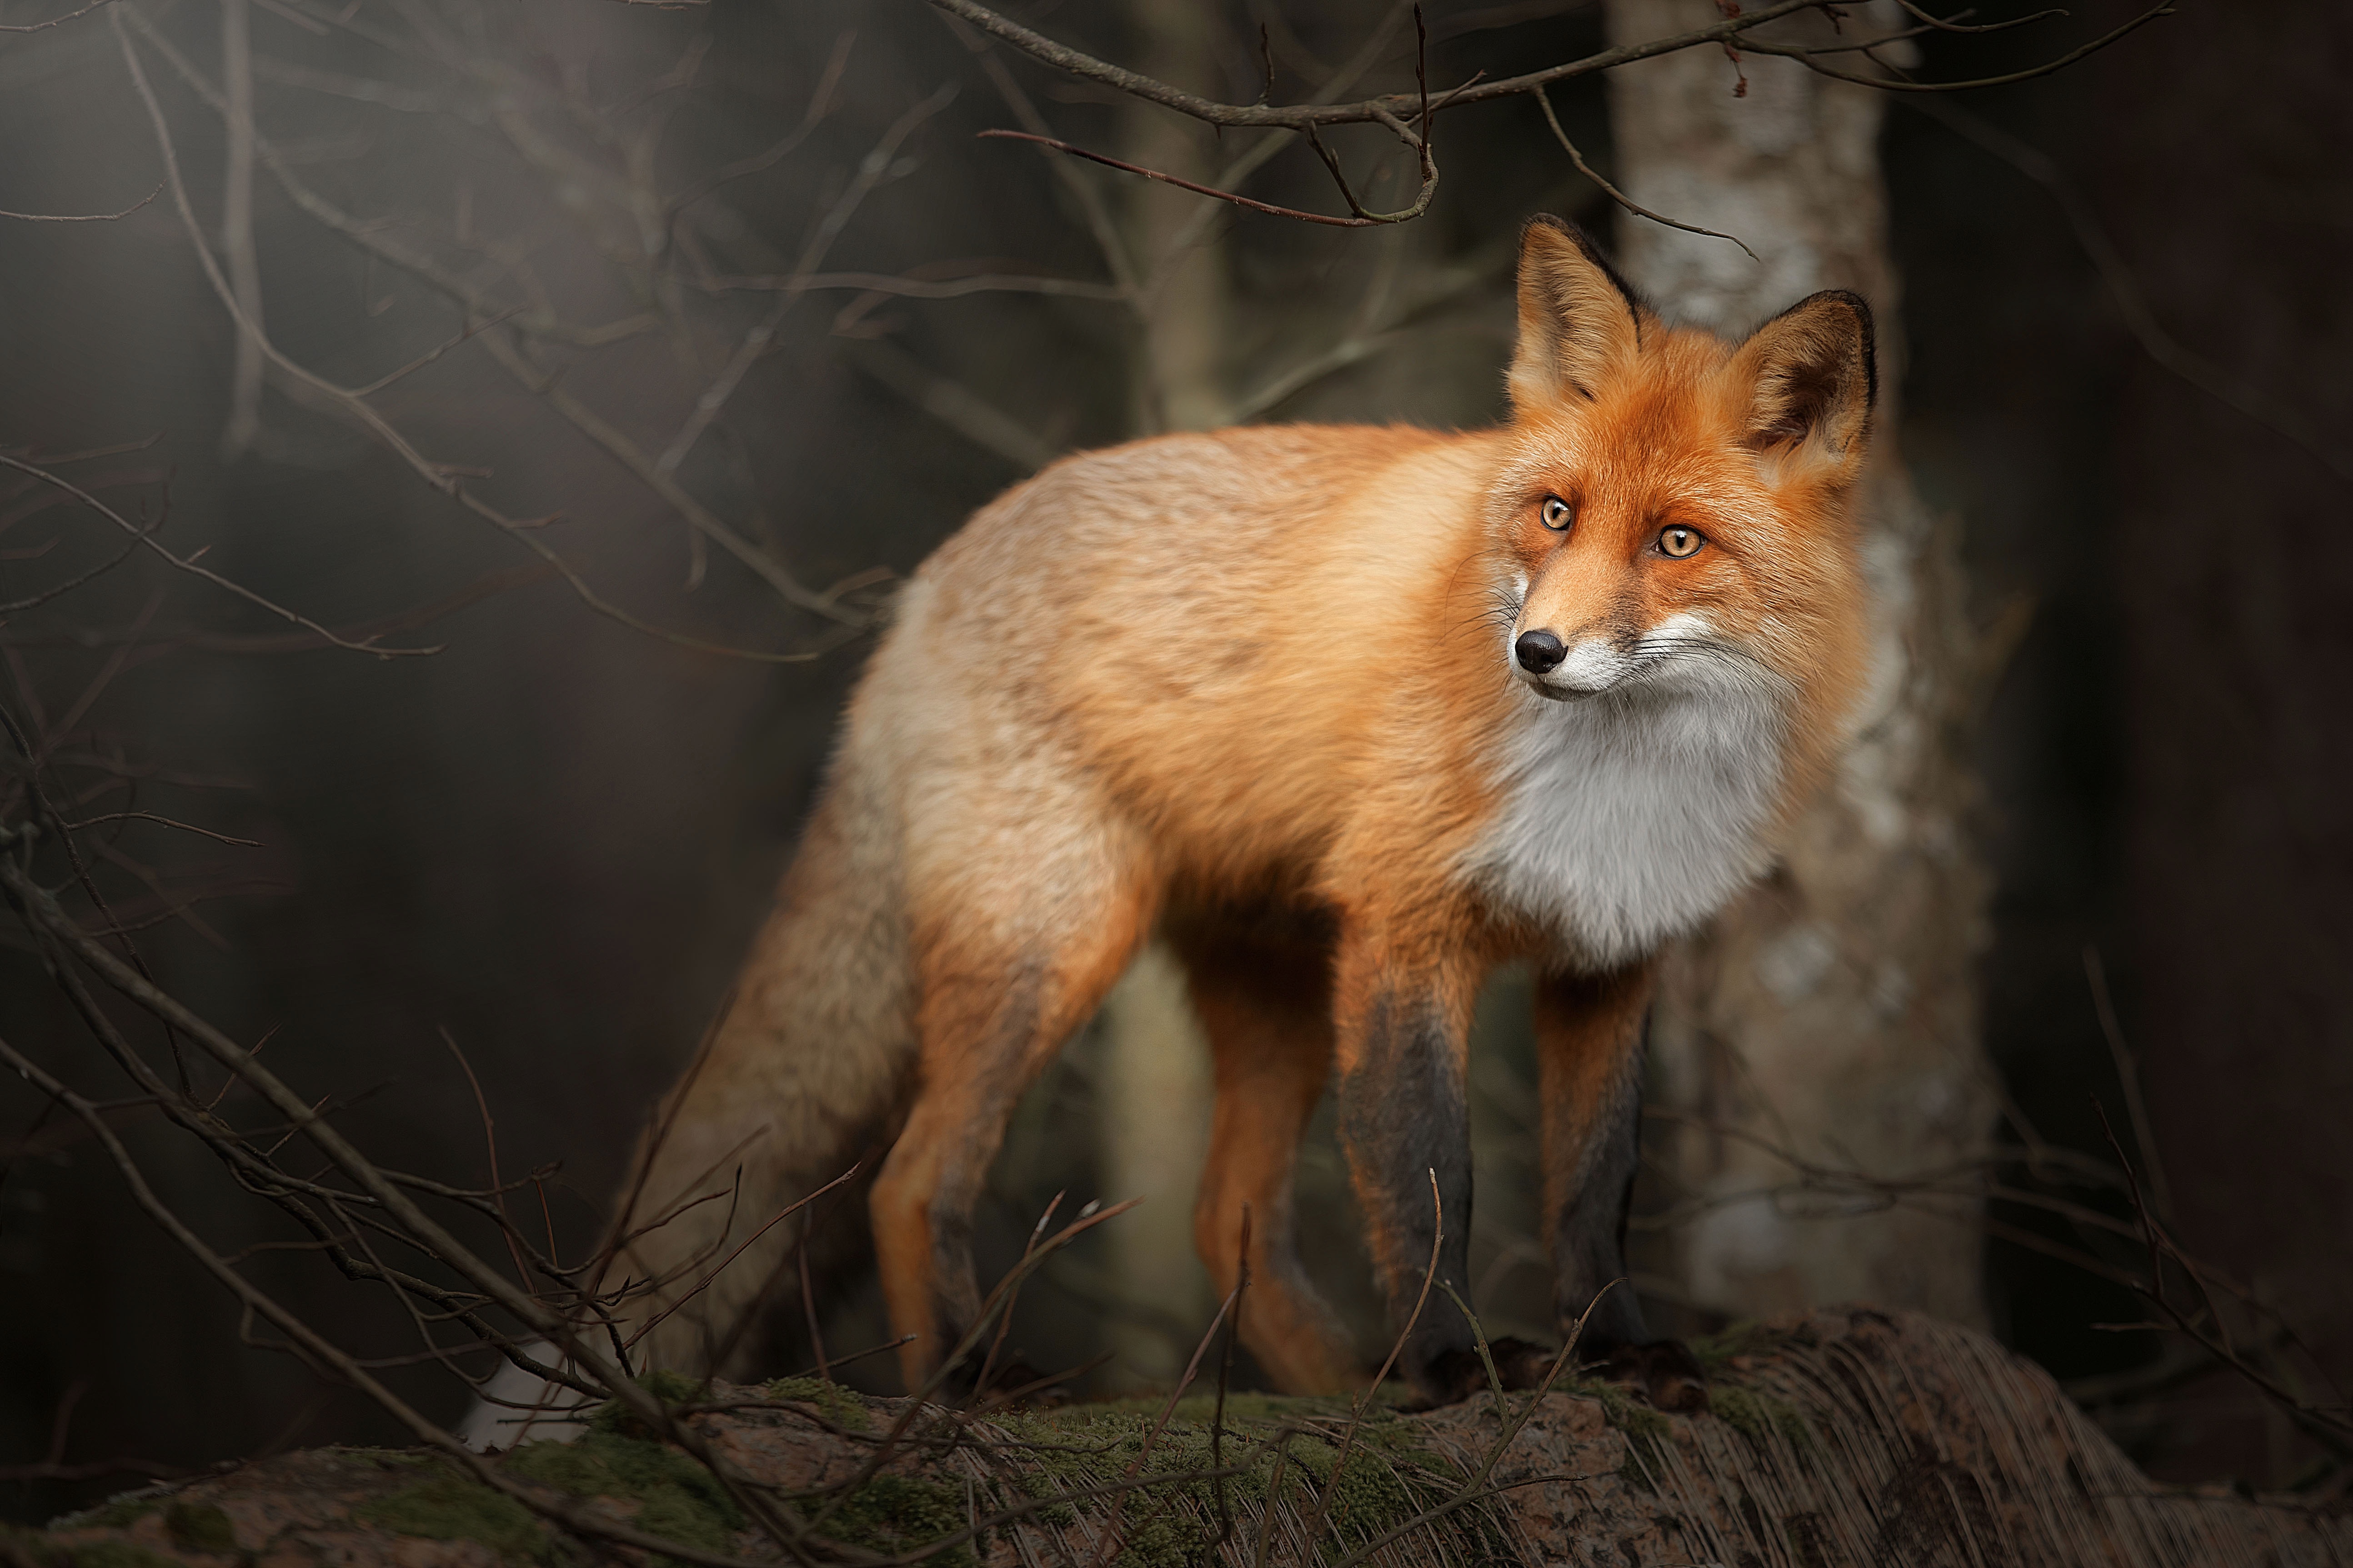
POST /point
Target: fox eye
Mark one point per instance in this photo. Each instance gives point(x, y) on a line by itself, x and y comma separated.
point(1556, 513)
point(1680, 542)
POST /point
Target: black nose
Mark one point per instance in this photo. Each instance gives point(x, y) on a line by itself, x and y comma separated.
point(1539, 651)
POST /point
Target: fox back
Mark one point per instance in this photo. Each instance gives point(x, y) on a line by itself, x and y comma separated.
point(1304, 661)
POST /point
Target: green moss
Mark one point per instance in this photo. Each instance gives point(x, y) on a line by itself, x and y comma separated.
point(1756, 1416)
point(676, 1499)
point(671, 1387)
point(668, 1387)
point(449, 1506)
point(890, 1515)
point(115, 1513)
point(835, 1403)
point(116, 1554)
point(200, 1527)
point(1714, 1353)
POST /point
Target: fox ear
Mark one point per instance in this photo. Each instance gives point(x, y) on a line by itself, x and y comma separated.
point(1811, 374)
point(1578, 319)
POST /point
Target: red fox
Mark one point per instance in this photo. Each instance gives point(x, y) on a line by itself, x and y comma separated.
point(1352, 716)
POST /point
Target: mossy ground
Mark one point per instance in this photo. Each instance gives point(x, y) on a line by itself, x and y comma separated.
point(1082, 1463)
point(675, 1498)
point(1728, 1359)
point(447, 1506)
point(838, 1405)
point(892, 1514)
point(199, 1527)
point(1286, 1453)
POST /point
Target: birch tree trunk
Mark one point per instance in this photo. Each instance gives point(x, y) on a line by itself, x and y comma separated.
point(1833, 1012)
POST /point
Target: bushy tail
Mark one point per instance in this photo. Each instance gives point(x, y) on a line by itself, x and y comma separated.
point(805, 1075)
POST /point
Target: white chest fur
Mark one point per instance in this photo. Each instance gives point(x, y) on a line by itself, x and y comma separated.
point(1631, 816)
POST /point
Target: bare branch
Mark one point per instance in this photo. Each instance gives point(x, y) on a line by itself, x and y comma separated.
point(1544, 101)
point(820, 104)
point(1738, 28)
point(1051, 145)
point(910, 288)
point(1954, 25)
point(1810, 58)
point(55, 22)
point(166, 821)
point(82, 218)
point(1736, 32)
point(442, 476)
point(872, 170)
point(145, 538)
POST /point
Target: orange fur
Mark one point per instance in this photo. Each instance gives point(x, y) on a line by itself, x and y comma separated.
point(1269, 675)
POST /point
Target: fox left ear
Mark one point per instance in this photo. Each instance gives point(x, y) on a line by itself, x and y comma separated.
point(1578, 321)
point(1812, 374)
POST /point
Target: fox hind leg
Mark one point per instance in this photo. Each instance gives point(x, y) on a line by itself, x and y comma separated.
point(1004, 978)
point(1267, 1008)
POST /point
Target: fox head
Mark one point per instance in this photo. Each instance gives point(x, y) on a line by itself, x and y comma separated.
point(1673, 513)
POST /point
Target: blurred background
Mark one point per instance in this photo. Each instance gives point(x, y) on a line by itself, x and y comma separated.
point(620, 358)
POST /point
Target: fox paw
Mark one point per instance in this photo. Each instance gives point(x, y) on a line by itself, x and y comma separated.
point(1459, 1374)
point(1666, 1371)
point(1522, 1364)
point(1455, 1375)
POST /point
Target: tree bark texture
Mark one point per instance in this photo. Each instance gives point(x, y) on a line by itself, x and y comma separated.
point(1832, 1014)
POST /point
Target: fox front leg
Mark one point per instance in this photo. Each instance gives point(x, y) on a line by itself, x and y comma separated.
point(1589, 1044)
point(1590, 1036)
point(1402, 1032)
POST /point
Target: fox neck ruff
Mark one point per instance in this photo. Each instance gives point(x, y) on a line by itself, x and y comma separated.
point(1631, 816)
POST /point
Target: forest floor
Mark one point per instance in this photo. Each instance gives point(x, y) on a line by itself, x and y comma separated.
point(1847, 1436)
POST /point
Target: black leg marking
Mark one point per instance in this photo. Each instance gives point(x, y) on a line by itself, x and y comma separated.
point(1588, 1239)
point(1589, 1247)
point(1402, 1118)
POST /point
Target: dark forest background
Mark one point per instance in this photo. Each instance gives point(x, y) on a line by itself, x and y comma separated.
point(550, 839)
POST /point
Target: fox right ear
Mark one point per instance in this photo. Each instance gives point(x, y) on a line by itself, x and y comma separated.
point(1813, 375)
point(1578, 321)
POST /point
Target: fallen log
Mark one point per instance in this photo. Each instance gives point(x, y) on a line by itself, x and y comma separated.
point(1843, 1437)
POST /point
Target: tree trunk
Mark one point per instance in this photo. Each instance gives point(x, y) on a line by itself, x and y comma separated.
point(1832, 1014)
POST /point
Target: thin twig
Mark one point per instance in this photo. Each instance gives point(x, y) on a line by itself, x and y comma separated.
point(145, 538)
point(1810, 59)
point(2128, 1078)
point(80, 217)
point(872, 170)
point(1236, 198)
point(1544, 101)
point(55, 22)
